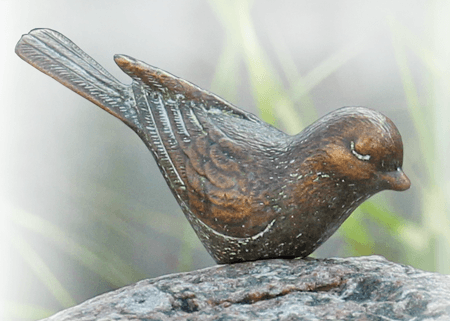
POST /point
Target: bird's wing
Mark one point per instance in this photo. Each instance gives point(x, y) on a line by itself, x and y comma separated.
point(199, 141)
point(210, 152)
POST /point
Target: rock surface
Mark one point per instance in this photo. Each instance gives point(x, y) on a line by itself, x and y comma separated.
point(361, 288)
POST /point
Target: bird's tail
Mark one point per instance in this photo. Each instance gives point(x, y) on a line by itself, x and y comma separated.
point(58, 57)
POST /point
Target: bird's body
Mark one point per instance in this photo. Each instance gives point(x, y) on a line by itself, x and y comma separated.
point(249, 190)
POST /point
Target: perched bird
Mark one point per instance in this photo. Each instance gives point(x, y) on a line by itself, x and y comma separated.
point(249, 190)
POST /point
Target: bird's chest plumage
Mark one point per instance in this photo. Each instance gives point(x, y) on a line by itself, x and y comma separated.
point(286, 212)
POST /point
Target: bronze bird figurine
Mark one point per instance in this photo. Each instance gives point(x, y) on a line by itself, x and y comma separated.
point(249, 190)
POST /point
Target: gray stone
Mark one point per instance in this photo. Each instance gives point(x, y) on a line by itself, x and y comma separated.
point(361, 288)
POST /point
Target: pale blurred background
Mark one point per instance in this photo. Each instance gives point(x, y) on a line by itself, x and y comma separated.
point(84, 207)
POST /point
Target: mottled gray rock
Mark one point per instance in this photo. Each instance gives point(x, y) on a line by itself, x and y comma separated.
point(362, 288)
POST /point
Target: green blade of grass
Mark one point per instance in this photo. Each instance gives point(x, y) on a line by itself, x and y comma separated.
point(225, 79)
point(271, 98)
point(95, 257)
point(21, 311)
point(297, 83)
point(326, 68)
point(121, 224)
point(40, 269)
point(225, 82)
point(432, 125)
point(426, 142)
point(357, 235)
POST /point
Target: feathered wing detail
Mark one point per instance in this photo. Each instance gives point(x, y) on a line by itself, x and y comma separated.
point(209, 170)
point(199, 140)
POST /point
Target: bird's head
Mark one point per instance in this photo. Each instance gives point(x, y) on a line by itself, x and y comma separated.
point(360, 145)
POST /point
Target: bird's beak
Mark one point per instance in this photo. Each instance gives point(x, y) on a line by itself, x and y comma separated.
point(396, 180)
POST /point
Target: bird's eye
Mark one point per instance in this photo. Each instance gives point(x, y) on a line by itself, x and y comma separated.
point(358, 155)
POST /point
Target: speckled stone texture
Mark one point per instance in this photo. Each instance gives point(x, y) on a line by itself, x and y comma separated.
point(362, 288)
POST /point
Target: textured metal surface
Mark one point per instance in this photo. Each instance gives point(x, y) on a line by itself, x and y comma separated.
point(249, 190)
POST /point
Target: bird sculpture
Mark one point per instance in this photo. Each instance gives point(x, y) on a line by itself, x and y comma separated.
point(249, 190)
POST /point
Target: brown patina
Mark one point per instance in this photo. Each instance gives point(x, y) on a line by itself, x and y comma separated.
point(249, 190)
